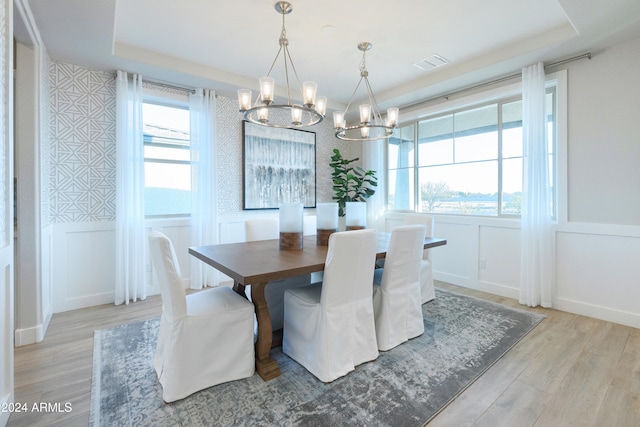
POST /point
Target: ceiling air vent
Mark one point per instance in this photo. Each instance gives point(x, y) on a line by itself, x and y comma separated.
point(431, 62)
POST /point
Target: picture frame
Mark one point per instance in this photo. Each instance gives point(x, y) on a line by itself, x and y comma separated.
point(278, 166)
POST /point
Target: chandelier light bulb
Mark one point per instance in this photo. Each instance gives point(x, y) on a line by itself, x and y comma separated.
point(267, 89)
point(392, 117)
point(338, 120)
point(244, 99)
point(263, 115)
point(365, 113)
point(321, 105)
point(364, 132)
point(309, 93)
point(296, 116)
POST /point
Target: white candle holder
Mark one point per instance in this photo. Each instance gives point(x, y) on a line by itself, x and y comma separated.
point(327, 221)
point(291, 225)
point(356, 215)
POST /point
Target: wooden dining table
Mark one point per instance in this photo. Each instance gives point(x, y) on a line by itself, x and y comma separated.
point(257, 263)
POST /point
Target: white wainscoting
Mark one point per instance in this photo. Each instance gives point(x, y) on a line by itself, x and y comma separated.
point(83, 261)
point(84, 265)
point(597, 268)
point(597, 265)
point(598, 272)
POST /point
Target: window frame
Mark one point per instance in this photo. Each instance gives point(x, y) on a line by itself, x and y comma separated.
point(499, 96)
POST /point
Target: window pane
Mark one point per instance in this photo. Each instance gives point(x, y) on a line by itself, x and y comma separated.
point(512, 186)
point(167, 189)
point(476, 136)
point(512, 129)
point(469, 188)
point(401, 189)
point(435, 141)
point(167, 166)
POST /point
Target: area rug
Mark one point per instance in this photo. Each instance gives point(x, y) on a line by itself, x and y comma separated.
point(406, 386)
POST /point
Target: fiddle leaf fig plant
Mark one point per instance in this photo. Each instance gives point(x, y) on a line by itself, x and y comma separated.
point(350, 183)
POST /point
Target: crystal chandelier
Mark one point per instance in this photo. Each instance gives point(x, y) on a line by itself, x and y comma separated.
point(371, 126)
point(265, 111)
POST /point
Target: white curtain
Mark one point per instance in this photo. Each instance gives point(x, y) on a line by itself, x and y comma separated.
point(202, 108)
point(373, 159)
point(536, 274)
point(130, 238)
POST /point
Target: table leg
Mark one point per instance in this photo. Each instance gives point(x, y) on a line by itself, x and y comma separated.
point(266, 367)
point(239, 288)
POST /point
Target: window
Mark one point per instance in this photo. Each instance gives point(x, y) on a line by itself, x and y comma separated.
point(467, 162)
point(167, 169)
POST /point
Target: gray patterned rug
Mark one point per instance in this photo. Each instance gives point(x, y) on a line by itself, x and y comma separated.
point(406, 386)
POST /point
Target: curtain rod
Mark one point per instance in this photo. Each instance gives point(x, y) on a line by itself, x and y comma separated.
point(492, 82)
point(165, 85)
point(168, 86)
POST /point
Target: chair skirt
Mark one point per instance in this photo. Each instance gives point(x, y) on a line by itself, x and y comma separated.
point(211, 345)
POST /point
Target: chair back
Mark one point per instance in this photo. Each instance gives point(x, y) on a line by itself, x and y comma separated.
point(261, 229)
point(349, 267)
point(164, 260)
point(429, 223)
point(402, 263)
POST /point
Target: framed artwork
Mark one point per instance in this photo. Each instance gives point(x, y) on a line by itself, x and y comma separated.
point(278, 166)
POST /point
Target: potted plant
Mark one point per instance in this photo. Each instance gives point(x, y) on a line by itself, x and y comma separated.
point(350, 183)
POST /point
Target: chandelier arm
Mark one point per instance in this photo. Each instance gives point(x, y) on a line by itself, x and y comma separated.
point(274, 61)
point(286, 73)
point(295, 72)
point(374, 103)
point(352, 95)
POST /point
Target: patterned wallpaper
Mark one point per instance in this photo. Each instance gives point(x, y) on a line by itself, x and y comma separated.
point(82, 154)
point(83, 150)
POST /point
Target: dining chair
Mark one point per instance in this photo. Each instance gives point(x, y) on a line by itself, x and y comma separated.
point(427, 288)
point(397, 302)
point(205, 338)
point(329, 326)
point(267, 229)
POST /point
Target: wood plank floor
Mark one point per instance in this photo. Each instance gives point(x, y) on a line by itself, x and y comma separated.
point(569, 371)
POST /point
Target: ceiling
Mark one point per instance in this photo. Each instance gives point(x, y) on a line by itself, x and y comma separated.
point(226, 45)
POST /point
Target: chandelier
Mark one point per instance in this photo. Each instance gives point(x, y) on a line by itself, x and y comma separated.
point(265, 111)
point(371, 126)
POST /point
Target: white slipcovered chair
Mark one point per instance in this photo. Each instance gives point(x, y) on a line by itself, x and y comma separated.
point(205, 338)
point(329, 327)
point(396, 289)
point(427, 288)
point(267, 229)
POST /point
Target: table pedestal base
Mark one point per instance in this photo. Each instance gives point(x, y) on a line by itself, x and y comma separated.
point(268, 369)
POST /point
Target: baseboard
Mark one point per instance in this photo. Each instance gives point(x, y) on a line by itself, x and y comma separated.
point(31, 335)
point(84, 302)
point(597, 312)
point(451, 278)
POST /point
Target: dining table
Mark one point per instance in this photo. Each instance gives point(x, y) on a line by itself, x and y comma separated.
point(257, 263)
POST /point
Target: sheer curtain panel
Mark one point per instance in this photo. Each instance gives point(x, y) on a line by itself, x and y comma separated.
point(130, 240)
point(202, 108)
point(373, 159)
point(536, 278)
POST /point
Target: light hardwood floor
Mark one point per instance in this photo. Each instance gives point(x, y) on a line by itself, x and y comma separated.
point(569, 371)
